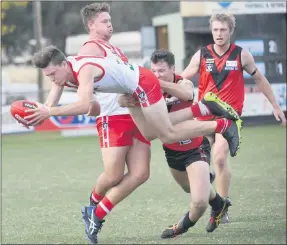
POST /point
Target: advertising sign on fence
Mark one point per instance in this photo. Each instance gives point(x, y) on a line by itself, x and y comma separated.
point(255, 104)
point(70, 122)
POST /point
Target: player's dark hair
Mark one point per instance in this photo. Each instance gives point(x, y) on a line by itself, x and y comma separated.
point(90, 11)
point(48, 55)
point(163, 55)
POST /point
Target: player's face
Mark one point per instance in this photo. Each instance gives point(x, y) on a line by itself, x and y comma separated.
point(57, 74)
point(102, 26)
point(220, 32)
point(163, 71)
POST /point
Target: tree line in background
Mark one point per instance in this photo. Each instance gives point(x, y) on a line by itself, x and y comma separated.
point(61, 19)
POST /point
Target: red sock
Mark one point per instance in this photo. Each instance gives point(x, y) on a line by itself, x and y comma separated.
point(199, 110)
point(96, 197)
point(103, 208)
point(222, 125)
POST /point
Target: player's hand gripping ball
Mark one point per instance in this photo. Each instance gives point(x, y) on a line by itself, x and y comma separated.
point(18, 109)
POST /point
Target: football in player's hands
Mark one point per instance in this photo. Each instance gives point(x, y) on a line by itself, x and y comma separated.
point(18, 109)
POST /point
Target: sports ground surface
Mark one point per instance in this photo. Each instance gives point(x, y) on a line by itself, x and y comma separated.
point(46, 179)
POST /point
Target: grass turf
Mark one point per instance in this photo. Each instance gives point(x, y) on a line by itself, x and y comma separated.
point(46, 179)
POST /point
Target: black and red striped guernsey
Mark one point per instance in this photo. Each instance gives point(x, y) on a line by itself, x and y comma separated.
point(222, 75)
point(180, 104)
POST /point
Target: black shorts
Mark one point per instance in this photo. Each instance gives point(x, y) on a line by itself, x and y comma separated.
point(180, 160)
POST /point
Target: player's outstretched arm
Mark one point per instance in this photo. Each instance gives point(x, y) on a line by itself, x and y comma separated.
point(85, 93)
point(193, 67)
point(182, 90)
point(85, 97)
point(52, 100)
point(54, 95)
point(249, 66)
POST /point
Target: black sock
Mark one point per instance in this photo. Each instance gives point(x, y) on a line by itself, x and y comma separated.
point(217, 202)
point(187, 223)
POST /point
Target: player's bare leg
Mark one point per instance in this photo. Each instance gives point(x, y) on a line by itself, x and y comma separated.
point(184, 114)
point(199, 185)
point(202, 194)
point(154, 122)
point(174, 117)
point(138, 163)
point(138, 159)
point(198, 176)
point(114, 159)
point(222, 169)
point(220, 156)
point(142, 123)
point(181, 178)
point(157, 119)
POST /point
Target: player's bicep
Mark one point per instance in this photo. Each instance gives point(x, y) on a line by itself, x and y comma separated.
point(193, 66)
point(248, 63)
point(86, 79)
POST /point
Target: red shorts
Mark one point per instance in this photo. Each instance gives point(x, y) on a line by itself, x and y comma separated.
point(118, 130)
point(148, 91)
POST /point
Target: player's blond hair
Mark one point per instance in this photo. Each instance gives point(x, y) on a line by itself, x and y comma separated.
point(224, 17)
point(90, 11)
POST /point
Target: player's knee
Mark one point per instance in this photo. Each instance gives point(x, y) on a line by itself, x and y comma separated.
point(167, 136)
point(220, 160)
point(141, 176)
point(199, 204)
point(114, 178)
point(220, 154)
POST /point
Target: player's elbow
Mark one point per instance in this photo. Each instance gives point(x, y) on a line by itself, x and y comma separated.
point(261, 83)
point(85, 106)
point(188, 95)
point(260, 80)
point(94, 109)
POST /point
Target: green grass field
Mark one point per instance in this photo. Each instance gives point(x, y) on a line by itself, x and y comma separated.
point(47, 178)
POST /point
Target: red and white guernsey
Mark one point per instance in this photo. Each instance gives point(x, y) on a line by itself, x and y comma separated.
point(115, 125)
point(109, 102)
point(118, 76)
